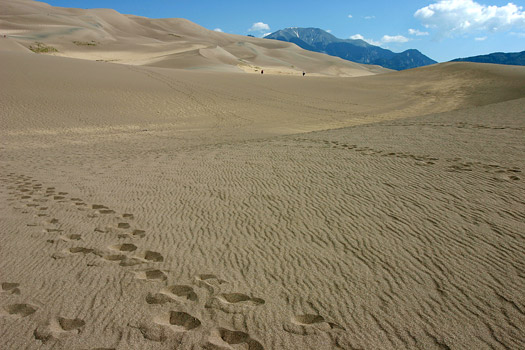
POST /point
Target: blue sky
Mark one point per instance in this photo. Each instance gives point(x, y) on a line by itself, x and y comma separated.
point(441, 29)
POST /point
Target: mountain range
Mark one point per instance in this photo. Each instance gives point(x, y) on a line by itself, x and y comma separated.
point(355, 50)
point(512, 58)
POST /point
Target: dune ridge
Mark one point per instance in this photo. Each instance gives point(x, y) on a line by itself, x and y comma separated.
point(106, 35)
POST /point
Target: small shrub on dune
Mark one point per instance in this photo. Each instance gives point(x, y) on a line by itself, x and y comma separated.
point(42, 48)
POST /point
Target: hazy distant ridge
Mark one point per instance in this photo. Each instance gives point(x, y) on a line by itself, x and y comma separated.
point(511, 58)
point(315, 39)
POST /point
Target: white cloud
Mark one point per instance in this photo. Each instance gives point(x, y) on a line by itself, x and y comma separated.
point(259, 27)
point(360, 37)
point(384, 40)
point(519, 35)
point(481, 38)
point(328, 30)
point(350, 16)
point(218, 30)
point(394, 39)
point(459, 17)
point(416, 32)
point(369, 17)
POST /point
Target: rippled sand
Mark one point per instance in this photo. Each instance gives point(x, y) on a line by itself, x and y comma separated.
point(149, 208)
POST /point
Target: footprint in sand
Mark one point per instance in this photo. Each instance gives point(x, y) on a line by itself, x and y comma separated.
point(223, 338)
point(143, 257)
point(125, 247)
point(102, 209)
point(133, 234)
point(310, 324)
point(123, 259)
point(178, 321)
point(209, 281)
point(167, 325)
point(173, 293)
point(234, 302)
point(20, 310)
point(181, 291)
point(151, 275)
point(235, 298)
point(128, 216)
point(81, 250)
point(115, 257)
point(150, 256)
point(138, 233)
point(53, 230)
point(11, 288)
point(58, 328)
point(106, 211)
point(159, 299)
point(71, 237)
point(123, 225)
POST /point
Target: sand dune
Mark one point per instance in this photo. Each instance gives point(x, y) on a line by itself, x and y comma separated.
point(106, 35)
point(144, 207)
point(71, 94)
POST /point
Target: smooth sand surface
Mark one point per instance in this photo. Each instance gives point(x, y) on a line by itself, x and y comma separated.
point(154, 208)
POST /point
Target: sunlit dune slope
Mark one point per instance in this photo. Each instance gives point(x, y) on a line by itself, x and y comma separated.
point(104, 34)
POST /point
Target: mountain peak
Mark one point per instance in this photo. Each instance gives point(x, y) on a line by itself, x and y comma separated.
point(356, 50)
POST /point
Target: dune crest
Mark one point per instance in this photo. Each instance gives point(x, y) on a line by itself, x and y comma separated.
point(106, 35)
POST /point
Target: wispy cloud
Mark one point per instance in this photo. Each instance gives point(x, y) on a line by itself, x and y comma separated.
point(369, 17)
point(451, 18)
point(394, 39)
point(350, 16)
point(259, 27)
point(519, 35)
point(417, 32)
point(218, 30)
point(386, 39)
point(482, 38)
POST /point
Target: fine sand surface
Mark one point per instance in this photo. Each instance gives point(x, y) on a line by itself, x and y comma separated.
point(157, 208)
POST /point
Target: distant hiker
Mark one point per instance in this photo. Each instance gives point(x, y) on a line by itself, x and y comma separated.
point(304, 73)
point(262, 71)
